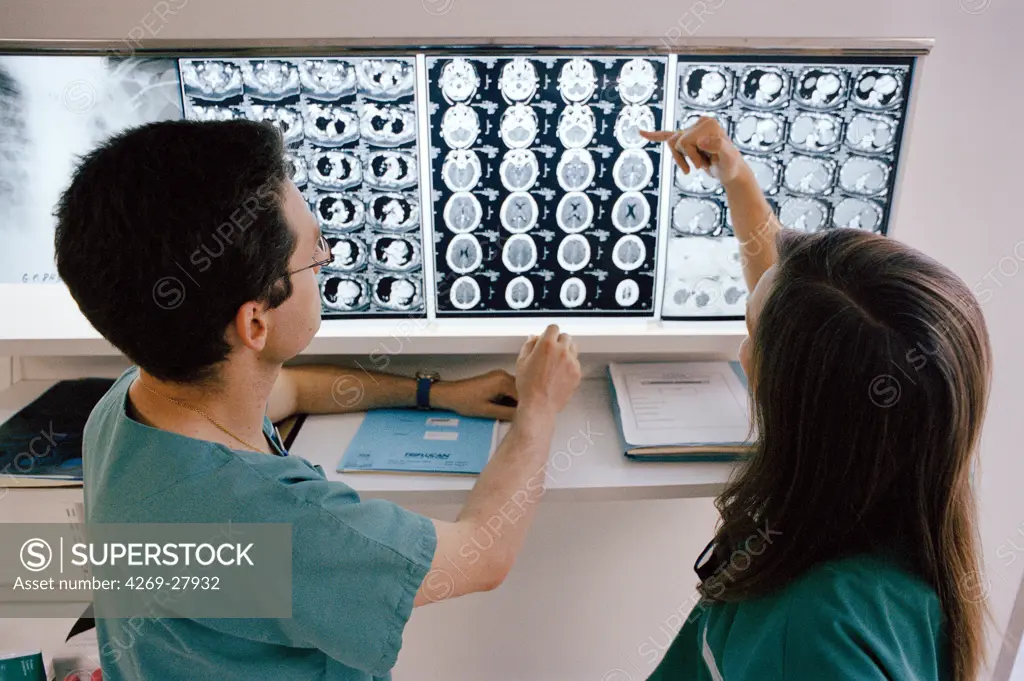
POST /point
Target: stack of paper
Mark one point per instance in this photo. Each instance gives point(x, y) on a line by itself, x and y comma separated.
point(682, 411)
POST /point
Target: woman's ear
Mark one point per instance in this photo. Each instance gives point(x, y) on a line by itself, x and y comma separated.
point(744, 356)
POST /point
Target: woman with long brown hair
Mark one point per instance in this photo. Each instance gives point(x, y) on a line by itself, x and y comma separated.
point(847, 546)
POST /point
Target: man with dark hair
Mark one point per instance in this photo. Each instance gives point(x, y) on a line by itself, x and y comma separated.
point(186, 245)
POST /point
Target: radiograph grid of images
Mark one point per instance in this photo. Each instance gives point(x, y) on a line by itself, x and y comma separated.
point(822, 139)
point(545, 195)
point(350, 130)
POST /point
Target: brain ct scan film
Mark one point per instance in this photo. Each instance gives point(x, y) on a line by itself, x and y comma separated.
point(545, 197)
point(822, 138)
point(350, 129)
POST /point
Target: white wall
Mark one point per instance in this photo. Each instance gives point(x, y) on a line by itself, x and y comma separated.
point(595, 581)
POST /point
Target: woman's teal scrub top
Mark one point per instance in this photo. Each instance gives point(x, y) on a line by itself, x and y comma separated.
point(861, 618)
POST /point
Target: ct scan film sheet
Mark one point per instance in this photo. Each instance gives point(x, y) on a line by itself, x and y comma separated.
point(350, 128)
point(823, 140)
point(545, 197)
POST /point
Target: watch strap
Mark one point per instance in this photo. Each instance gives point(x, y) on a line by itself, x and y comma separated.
point(423, 392)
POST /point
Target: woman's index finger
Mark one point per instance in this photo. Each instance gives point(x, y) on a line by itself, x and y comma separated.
point(657, 135)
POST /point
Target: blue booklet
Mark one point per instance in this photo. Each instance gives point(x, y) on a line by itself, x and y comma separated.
point(417, 441)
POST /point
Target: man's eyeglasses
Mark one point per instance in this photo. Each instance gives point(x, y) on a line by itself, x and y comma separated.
point(321, 257)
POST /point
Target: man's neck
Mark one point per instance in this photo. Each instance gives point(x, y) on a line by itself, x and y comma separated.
point(236, 400)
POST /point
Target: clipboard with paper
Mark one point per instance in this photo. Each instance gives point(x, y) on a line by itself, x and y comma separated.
point(682, 411)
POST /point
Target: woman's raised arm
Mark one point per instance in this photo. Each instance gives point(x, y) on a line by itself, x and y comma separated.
point(705, 145)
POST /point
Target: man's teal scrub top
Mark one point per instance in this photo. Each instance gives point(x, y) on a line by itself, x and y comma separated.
point(356, 565)
point(856, 619)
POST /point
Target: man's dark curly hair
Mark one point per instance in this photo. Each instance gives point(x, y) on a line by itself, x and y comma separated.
point(167, 229)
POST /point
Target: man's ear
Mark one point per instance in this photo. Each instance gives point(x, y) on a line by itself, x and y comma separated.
point(252, 325)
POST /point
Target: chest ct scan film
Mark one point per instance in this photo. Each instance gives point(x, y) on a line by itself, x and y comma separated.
point(534, 195)
point(350, 130)
point(822, 138)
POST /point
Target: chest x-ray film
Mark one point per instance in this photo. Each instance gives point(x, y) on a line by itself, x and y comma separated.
point(54, 109)
point(545, 196)
point(822, 138)
point(350, 130)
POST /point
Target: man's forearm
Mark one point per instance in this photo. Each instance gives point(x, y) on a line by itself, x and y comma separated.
point(501, 506)
point(328, 389)
point(754, 225)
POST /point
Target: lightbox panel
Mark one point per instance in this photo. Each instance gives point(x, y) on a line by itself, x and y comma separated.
point(801, 122)
point(822, 137)
point(545, 197)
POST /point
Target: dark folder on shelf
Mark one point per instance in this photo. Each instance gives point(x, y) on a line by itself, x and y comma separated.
point(41, 445)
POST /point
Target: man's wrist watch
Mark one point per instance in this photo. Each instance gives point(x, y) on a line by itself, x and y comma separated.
point(424, 379)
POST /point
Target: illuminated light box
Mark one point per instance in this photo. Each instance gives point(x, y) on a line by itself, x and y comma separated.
point(484, 181)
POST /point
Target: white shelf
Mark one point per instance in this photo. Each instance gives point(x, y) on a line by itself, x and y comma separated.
point(43, 319)
point(588, 469)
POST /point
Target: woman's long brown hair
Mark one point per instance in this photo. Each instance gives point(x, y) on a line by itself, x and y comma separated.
point(870, 373)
